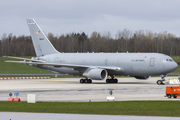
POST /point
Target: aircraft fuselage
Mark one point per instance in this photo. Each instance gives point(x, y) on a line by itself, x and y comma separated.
point(132, 64)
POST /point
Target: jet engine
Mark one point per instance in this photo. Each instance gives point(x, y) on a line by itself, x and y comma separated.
point(142, 77)
point(96, 74)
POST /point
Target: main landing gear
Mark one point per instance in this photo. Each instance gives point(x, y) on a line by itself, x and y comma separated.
point(112, 80)
point(161, 82)
point(85, 80)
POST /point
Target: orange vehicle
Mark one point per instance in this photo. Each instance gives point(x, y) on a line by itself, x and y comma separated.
point(173, 91)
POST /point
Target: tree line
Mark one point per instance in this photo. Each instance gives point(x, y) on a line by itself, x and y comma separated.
point(124, 41)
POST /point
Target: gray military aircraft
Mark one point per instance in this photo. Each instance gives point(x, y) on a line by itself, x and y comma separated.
point(96, 66)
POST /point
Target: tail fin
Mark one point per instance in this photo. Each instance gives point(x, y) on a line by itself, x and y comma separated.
point(41, 43)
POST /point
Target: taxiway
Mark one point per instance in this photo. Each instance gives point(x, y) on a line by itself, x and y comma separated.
point(51, 116)
point(69, 89)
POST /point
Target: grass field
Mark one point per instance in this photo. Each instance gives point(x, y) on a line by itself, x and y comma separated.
point(176, 59)
point(14, 68)
point(137, 108)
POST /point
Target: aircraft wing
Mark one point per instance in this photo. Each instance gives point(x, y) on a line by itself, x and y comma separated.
point(26, 59)
point(65, 65)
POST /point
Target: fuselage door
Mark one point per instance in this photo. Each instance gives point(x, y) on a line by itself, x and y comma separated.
point(152, 61)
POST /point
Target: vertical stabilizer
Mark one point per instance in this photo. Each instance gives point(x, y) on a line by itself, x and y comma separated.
point(41, 43)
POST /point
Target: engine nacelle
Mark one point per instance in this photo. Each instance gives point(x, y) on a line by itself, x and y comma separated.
point(142, 77)
point(96, 74)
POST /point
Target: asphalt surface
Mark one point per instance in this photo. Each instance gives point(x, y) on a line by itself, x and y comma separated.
point(69, 89)
point(49, 116)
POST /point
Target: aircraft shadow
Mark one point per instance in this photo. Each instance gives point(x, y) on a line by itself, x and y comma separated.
point(124, 83)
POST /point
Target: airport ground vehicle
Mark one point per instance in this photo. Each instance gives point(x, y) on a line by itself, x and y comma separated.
point(172, 91)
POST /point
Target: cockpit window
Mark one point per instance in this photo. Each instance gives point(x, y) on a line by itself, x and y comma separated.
point(170, 60)
point(167, 60)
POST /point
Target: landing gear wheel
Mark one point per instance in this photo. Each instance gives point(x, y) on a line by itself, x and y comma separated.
point(85, 81)
point(175, 96)
point(163, 81)
point(89, 81)
point(115, 81)
point(159, 82)
point(82, 81)
point(111, 81)
point(107, 80)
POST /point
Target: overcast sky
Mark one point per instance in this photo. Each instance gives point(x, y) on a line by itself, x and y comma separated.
point(66, 16)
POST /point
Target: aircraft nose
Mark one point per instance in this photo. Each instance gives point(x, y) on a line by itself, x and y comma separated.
point(174, 66)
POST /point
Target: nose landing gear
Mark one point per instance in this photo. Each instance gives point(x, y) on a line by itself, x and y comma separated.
point(161, 82)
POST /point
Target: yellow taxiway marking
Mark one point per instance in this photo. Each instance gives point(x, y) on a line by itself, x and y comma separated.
point(6, 81)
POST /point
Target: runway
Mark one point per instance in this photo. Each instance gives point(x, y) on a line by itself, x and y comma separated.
point(69, 89)
point(49, 116)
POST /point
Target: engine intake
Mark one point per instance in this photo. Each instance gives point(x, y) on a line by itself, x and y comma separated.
point(96, 74)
